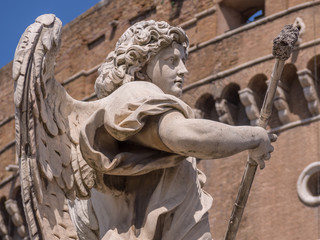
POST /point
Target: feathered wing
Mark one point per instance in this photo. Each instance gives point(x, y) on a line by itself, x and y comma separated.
point(52, 169)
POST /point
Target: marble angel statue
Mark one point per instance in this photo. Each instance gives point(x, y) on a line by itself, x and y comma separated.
point(121, 167)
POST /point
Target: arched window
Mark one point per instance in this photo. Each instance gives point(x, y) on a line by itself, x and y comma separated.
point(229, 107)
point(3, 212)
point(206, 106)
point(258, 84)
point(297, 102)
point(314, 66)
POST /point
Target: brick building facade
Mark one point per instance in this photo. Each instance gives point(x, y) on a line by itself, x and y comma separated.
point(229, 65)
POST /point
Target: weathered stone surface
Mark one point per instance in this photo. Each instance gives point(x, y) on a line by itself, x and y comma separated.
point(132, 153)
point(284, 43)
point(240, 55)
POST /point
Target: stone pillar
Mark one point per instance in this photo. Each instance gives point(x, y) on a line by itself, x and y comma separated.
point(281, 104)
point(16, 217)
point(309, 90)
point(247, 99)
point(223, 111)
point(4, 234)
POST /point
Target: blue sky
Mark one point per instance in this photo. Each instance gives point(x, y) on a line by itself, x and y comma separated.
point(16, 15)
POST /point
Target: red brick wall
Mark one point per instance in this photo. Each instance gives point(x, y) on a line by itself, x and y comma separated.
point(274, 210)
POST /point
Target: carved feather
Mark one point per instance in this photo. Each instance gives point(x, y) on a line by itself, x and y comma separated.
point(51, 166)
point(81, 189)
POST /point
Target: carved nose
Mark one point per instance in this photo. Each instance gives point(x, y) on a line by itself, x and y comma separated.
point(180, 73)
point(182, 70)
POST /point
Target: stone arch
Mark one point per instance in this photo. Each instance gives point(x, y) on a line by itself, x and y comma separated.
point(206, 107)
point(3, 199)
point(314, 66)
point(16, 193)
point(230, 108)
point(4, 216)
point(298, 105)
point(258, 84)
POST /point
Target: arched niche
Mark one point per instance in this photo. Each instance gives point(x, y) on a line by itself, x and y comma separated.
point(4, 215)
point(298, 105)
point(258, 84)
point(16, 193)
point(314, 66)
point(230, 107)
point(206, 106)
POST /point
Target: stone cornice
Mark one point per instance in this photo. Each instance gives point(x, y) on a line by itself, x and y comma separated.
point(216, 39)
point(295, 124)
point(6, 120)
point(197, 17)
point(255, 24)
point(80, 74)
point(238, 68)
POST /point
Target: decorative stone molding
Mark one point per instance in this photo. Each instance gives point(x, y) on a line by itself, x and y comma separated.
point(256, 23)
point(4, 233)
point(8, 146)
point(309, 90)
point(307, 185)
point(223, 111)
point(16, 217)
point(230, 71)
point(281, 104)
point(6, 120)
point(197, 17)
point(294, 124)
point(247, 99)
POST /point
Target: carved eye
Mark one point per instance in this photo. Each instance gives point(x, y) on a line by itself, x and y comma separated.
point(171, 60)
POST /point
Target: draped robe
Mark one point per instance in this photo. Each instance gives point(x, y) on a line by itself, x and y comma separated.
point(149, 191)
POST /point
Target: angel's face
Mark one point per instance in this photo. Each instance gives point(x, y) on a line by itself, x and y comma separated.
point(167, 69)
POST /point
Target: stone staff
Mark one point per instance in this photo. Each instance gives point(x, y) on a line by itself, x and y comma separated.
point(282, 48)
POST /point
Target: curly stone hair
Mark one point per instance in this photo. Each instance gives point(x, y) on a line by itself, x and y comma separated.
point(133, 51)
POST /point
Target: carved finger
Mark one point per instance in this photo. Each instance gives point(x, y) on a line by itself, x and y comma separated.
point(271, 149)
point(266, 156)
point(261, 164)
point(273, 137)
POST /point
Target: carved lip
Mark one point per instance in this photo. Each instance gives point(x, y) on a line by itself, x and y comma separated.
point(178, 80)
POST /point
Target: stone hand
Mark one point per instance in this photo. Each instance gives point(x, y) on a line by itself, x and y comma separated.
point(264, 149)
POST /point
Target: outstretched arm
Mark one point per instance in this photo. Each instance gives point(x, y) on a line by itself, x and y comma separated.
point(209, 139)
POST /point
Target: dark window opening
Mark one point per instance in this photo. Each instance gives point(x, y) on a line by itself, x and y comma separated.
point(258, 14)
point(232, 95)
point(259, 86)
point(143, 15)
point(314, 66)
point(114, 25)
point(206, 105)
point(176, 6)
point(234, 106)
point(314, 184)
point(3, 212)
point(298, 105)
point(96, 42)
point(238, 12)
